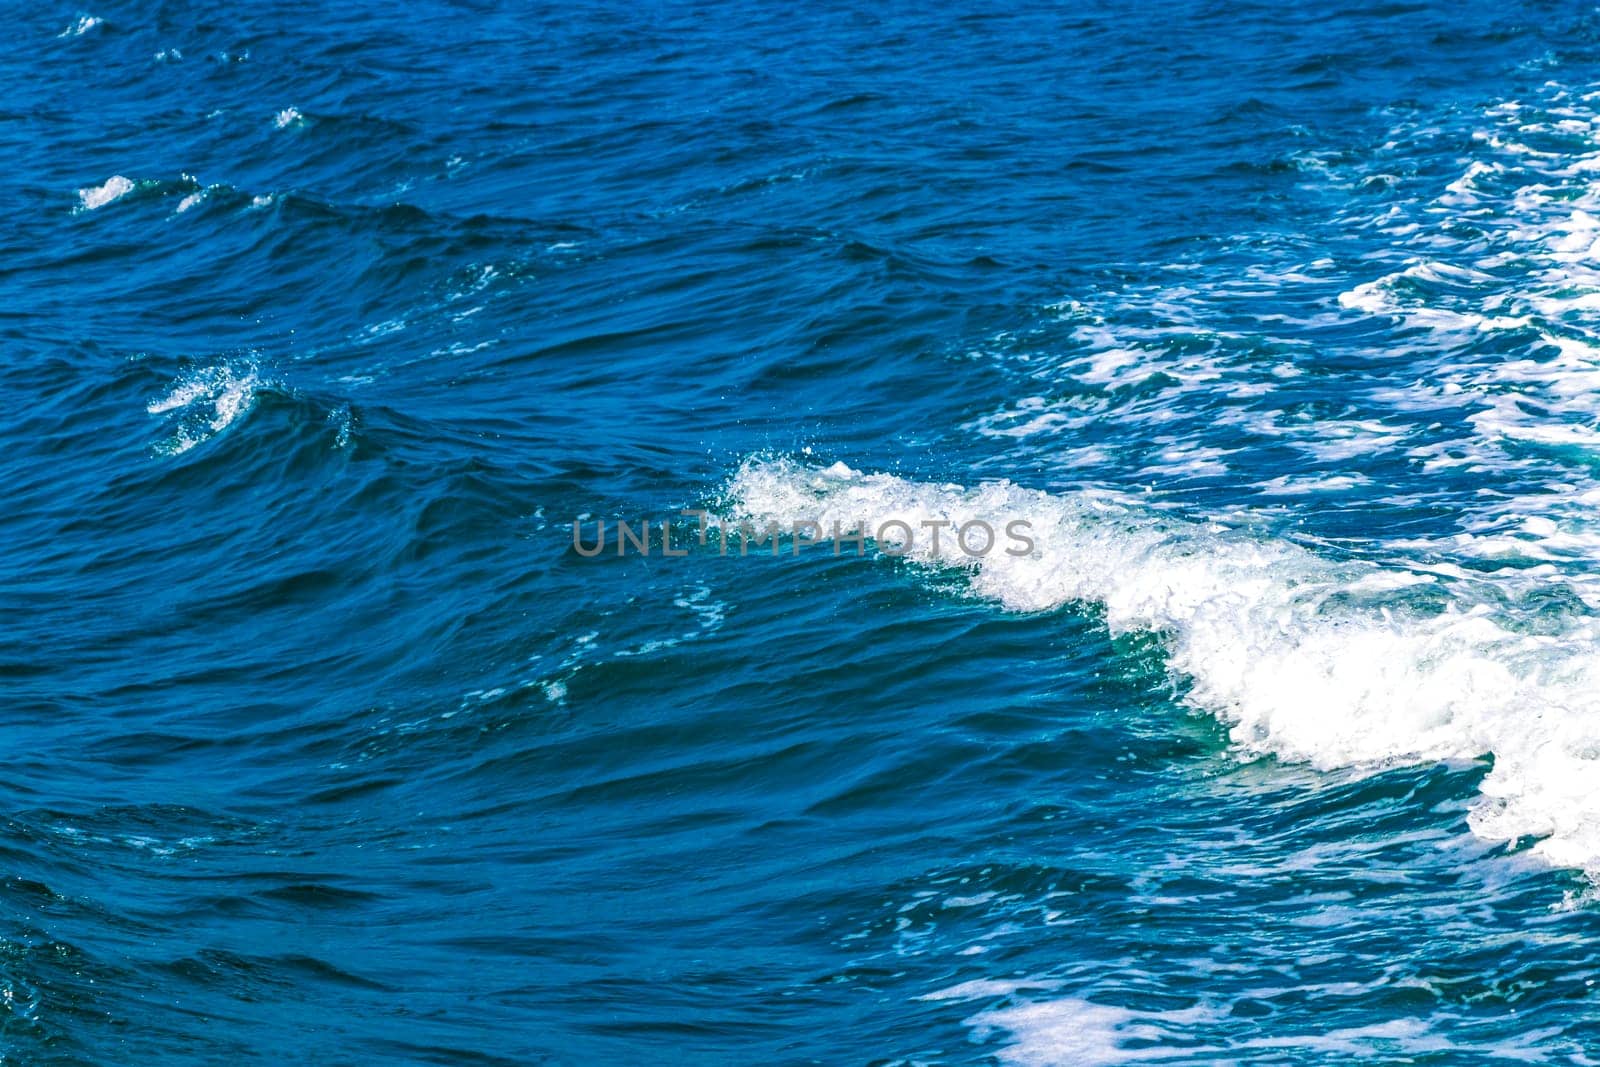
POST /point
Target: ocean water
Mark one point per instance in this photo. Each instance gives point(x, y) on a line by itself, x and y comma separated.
point(1275, 326)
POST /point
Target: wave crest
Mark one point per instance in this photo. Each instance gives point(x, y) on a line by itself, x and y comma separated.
point(1334, 663)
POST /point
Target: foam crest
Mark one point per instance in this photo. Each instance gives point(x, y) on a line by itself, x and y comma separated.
point(82, 25)
point(1333, 663)
point(98, 196)
point(1073, 1031)
point(203, 402)
point(1082, 1033)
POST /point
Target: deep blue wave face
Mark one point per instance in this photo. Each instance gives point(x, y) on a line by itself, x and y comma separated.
point(1276, 326)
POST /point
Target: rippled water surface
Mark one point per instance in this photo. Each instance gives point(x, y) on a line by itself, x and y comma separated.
point(1277, 325)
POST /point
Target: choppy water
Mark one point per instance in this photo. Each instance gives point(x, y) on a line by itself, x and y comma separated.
point(1279, 326)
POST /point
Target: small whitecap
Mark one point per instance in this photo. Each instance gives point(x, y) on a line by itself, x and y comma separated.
point(289, 116)
point(203, 402)
point(169, 55)
point(95, 196)
point(84, 24)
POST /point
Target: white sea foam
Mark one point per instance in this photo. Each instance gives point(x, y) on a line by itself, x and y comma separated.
point(980, 988)
point(1498, 278)
point(1073, 1032)
point(1054, 1033)
point(97, 196)
point(1337, 664)
point(1529, 261)
point(82, 25)
point(205, 401)
point(198, 195)
point(289, 116)
point(1487, 366)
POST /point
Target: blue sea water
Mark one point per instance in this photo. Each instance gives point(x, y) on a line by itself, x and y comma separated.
point(1277, 325)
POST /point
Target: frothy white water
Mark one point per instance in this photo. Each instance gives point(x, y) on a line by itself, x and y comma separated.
point(1066, 1030)
point(204, 402)
point(96, 196)
point(1052, 1033)
point(81, 26)
point(1337, 664)
point(1499, 280)
point(1473, 384)
point(1071, 1032)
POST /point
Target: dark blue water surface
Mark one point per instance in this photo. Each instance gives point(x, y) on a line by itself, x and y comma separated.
point(322, 325)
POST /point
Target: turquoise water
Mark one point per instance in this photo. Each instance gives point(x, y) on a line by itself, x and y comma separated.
point(1276, 329)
